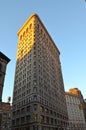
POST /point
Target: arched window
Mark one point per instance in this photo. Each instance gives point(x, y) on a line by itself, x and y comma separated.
point(27, 30)
point(30, 25)
point(23, 33)
point(21, 37)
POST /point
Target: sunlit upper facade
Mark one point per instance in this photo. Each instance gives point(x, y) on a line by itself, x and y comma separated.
point(38, 98)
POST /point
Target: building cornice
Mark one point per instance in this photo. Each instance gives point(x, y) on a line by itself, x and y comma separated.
point(4, 57)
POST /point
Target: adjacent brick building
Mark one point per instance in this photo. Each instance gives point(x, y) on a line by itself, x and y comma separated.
point(6, 116)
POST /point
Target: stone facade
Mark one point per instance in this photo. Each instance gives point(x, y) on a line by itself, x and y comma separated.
point(75, 110)
point(38, 98)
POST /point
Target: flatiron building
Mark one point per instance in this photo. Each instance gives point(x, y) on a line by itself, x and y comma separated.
point(38, 97)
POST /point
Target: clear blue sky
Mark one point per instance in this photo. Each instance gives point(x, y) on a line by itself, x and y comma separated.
point(65, 20)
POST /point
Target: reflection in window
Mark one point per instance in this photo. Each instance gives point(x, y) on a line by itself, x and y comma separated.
point(35, 98)
point(41, 108)
point(41, 118)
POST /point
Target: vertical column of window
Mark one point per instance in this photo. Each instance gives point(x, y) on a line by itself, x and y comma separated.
point(35, 73)
point(45, 74)
point(29, 62)
point(35, 65)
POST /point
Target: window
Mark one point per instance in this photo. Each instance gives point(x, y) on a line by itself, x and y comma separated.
point(22, 110)
point(28, 108)
point(41, 108)
point(51, 112)
point(41, 31)
point(34, 89)
point(18, 112)
point(30, 26)
point(23, 34)
point(21, 37)
point(46, 110)
point(29, 99)
point(26, 30)
point(13, 122)
point(17, 121)
point(47, 120)
point(35, 107)
point(38, 26)
point(51, 120)
point(22, 119)
point(41, 118)
point(35, 98)
point(34, 82)
point(28, 118)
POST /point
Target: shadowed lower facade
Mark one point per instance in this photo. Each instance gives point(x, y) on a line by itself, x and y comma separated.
point(38, 97)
